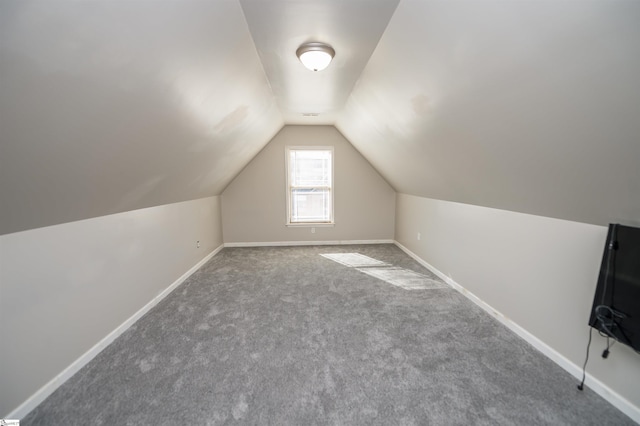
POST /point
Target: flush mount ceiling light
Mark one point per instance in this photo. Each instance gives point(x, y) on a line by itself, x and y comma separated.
point(315, 56)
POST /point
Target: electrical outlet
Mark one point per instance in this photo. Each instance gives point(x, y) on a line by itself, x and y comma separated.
point(418, 236)
point(313, 230)
point(197, 244)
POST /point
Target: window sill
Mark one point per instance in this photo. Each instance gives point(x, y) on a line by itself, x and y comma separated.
point(311, 224)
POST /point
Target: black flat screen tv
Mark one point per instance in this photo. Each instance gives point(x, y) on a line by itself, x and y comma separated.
point(616, 305)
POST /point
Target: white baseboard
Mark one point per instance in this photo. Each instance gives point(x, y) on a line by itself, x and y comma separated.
point(41, 394)
point(596, 385)
point(307, 243)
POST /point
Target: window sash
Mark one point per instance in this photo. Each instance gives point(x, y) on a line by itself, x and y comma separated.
point(309, 181)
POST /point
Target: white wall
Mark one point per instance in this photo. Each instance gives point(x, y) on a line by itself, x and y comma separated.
point(539, 272)
point(254, 206)
point(66, 287)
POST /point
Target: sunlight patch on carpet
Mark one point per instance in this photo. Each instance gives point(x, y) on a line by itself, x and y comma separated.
point(353, 260)
point(403, 278)
point(399, 277)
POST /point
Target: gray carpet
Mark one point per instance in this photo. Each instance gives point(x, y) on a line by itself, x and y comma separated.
point(284, 336)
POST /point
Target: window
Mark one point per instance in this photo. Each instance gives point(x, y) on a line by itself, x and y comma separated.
point(309, 185)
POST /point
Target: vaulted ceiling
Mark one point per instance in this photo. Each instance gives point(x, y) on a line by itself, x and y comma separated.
point(110, 106)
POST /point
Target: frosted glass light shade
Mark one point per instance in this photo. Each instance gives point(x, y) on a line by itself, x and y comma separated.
point(315, 56)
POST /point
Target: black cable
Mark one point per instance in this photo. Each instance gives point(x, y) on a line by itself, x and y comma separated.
point(584, 367)
point(608, 322)
point(605, 353)
point(611, 246)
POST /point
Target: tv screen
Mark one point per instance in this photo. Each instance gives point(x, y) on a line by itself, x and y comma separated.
point(616, 305)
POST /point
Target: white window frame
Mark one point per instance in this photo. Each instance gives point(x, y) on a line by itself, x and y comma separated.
point(289, 188)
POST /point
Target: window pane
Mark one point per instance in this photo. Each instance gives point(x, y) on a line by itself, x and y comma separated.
point(310, 168)
point(310, 205)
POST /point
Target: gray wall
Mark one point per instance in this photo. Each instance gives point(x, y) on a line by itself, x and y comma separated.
point(254, 206)
point(66, 287)
point(538, 272)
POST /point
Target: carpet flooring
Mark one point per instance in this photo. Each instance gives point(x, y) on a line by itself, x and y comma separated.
point(285, 336)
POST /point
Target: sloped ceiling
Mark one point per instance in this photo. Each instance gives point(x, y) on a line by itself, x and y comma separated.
point(530, 106)
point(110, 106)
